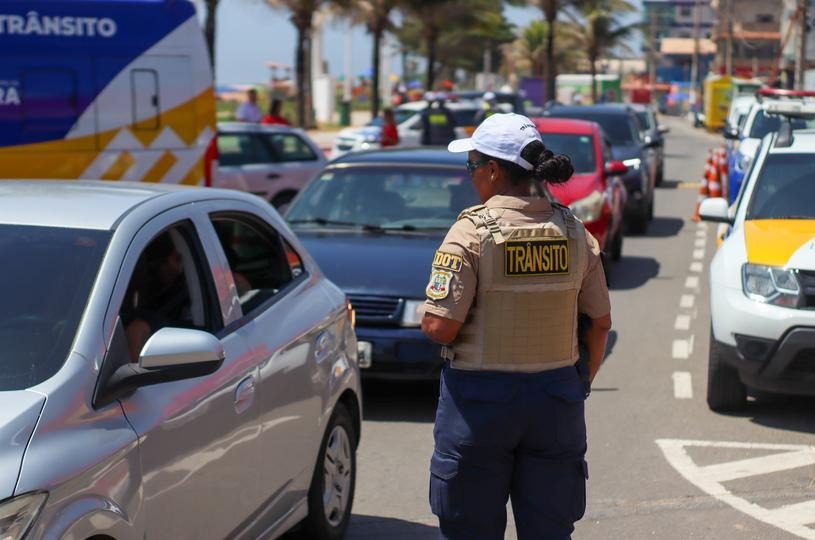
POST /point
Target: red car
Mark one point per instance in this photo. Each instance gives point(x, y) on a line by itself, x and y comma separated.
point(595, 194)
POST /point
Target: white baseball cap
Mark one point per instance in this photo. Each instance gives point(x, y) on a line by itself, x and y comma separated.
point(501, 136)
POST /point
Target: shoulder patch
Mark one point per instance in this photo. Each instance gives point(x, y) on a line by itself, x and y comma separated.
point(439, 286)
point(447, 260)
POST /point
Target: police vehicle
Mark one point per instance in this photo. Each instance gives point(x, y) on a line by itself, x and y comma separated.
point(762, 279)
point(746, 136)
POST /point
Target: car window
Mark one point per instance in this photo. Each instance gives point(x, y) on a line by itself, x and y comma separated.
point(621, 129)
point(166, 289)
point(645, 120)
point(784, 188)
point(397, 196)
point(237, 149)
point(289, 147)
point(579, 148)
point(764, 124)
point(402, 115)
point(260, 264)
point(39, 314)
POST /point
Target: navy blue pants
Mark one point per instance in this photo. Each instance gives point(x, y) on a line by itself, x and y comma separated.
point(518, 436)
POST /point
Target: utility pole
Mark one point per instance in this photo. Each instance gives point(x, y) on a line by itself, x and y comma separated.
point(801, 57)
point(728, 61)
point(652, 49)
point(694, 66)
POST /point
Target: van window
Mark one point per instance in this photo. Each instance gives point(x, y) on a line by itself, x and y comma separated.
point(49, 101)
point(144, 90)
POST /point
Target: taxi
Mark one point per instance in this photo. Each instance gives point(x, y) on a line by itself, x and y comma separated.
point(762, 279)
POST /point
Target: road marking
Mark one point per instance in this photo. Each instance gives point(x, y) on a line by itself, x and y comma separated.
point(792, 518)
point(682, 348)
point(698, 253)
point(692, 282)
point(682, 322)
point(701, 233)
point(687, 301)
point(700, 242)
point(683, 389)
point(702, 225)
point(696, 267)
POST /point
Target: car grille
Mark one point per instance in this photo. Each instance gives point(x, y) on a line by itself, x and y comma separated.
point(807, 280)
point(376, 309)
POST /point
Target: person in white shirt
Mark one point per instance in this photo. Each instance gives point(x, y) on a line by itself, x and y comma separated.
point(249, 110)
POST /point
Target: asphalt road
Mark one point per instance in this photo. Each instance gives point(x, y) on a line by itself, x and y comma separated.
point(662, 465)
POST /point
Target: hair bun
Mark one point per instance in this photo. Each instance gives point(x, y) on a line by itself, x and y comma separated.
point(554, 169)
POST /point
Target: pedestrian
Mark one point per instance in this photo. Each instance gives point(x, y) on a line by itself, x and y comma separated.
point(390, 133)
point(438, 123)
point(506, 288)
point(248, 111)
point(489, 106)
point(275, 117)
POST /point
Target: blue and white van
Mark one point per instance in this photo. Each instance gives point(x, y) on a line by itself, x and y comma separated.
point(105, 89)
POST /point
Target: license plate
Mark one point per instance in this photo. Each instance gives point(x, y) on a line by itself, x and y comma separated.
point(364, 354)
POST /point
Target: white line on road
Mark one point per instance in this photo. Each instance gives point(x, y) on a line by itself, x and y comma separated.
point(698, 253)
point(692, 282)
point(682, 348)
point(701, 233)
point(700, 242)
point(687, 301)
point(792, 518)
point(702, 225)
point(682, 322)
point(683, 388)
point(697, 267)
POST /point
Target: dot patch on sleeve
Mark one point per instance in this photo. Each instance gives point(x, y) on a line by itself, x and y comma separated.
point(448, 261)
point(439, 286)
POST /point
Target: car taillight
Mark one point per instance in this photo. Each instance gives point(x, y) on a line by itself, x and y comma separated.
point(211, 162)
point(352, 315)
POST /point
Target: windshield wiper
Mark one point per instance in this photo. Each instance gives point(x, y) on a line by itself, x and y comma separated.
point(325, 222)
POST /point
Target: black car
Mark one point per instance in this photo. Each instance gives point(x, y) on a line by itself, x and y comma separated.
point(622, 128)
point(373, 221)
point(653, 132)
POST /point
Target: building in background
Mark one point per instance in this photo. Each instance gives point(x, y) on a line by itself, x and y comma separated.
point(790, 42)
point(747, 36)
point(674, 18)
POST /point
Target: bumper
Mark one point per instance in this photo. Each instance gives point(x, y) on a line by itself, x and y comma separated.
point(599, 229)
point(400, 353)
point(636, 187)
point(784, 366)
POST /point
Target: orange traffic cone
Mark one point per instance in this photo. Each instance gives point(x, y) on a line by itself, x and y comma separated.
point(715, 183)
point(723, 172)
point(703, 187)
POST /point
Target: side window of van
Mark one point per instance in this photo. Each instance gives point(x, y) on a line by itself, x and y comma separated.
point(49, 101)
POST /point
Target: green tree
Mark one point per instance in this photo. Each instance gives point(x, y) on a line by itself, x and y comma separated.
point(375, 14)
point(603, 30)
point(527, 53)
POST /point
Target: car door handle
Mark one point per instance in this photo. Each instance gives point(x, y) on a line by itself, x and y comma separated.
point(245, 395)
point(272, 176)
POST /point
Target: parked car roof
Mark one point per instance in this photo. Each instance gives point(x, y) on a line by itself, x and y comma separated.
point(565, 125)
point(596, 109)
point(405, 156)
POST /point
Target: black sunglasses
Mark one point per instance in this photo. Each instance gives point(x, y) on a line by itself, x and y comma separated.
point(472, 166)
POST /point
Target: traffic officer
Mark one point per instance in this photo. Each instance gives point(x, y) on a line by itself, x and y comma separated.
point(489, 106)
point(438, 123)
point(505, 291)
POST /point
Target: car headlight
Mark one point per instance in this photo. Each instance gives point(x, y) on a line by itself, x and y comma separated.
point(633, 163)
point(18, 514)
point(371, 138)
point(412, 313)
point(771, 285)
point(588, 208)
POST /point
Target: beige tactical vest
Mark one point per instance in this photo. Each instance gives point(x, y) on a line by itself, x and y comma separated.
point(524, 316)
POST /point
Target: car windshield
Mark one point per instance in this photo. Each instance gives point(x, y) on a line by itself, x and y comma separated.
point(785, 188)
point(394, 197)
point(645, 120)
point(403, 115)
point(764, 124)
point(618, 127)
point(47, 277)
point(579, 148)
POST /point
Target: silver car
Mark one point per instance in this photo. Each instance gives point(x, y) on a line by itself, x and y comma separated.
point(174, 365)
point(273, 162)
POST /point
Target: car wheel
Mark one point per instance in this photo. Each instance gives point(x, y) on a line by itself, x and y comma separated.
point(617, 245)
point(651, 208)
point(281, 200)
point(638, 222)
point(725, 391)
point(331, 494)
point(660, 175)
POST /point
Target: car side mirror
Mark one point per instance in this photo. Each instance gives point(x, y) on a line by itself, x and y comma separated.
point(731, 133)
point(715, 209)
point(664, 129)
point(649, 142)
point(171, 354)
point(616, 168)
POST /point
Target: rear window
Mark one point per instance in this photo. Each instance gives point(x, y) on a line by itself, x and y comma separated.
point(619, 128)
point(41, 307)
point(579, 148)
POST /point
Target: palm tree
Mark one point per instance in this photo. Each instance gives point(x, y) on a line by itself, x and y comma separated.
point(209, 29)
point(528, 51)
point(603, 30)
point(375, 14)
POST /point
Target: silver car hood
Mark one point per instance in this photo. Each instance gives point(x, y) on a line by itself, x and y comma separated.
point(19, 412)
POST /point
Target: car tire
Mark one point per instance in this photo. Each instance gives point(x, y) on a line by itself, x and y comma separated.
point(660, 175)
point(725, 391)
point(616, 250)
point(651, 208)
point(638, 222)
point(337, 464)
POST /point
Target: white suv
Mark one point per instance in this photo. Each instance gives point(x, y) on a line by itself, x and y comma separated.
point(762, 279)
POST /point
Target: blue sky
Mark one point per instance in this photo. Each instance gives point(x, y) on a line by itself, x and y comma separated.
point(250, 34)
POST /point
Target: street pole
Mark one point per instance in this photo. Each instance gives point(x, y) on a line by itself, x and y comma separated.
point(729, 58)
point(801, 57)
point(652, 67)
point(694, 66)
